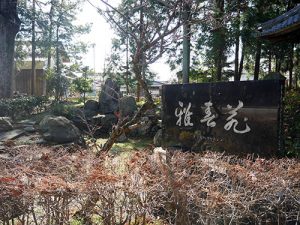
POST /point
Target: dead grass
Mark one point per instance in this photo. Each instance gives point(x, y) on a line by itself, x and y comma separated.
point(41, 185)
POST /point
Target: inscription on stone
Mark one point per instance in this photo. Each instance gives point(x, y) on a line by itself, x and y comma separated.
point(237, 117)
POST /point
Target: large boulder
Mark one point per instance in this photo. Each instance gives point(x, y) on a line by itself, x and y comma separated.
point(107, 122)
point(91, 105)
point(109, 97)
point(122, 138)
point(145, 128)
point(127, 106)
point(104, 123)
point(59, 130)
point(5, 124)
point(81, 118)
point(274, 76)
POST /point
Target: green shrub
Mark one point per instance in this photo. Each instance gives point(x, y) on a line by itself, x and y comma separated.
point(61, 109)
point(22, 106)
point(292, 123)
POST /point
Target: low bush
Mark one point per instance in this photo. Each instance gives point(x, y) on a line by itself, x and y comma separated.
point(62, 109)
point(63, 188)
point(19, 107)
point(292, 123)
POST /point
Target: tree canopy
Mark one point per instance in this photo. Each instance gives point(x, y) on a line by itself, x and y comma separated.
point(221, 37)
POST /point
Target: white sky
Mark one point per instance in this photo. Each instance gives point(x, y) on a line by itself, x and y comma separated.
point(101, 35)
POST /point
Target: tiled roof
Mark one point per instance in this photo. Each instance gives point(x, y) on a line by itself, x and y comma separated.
point(282, 25)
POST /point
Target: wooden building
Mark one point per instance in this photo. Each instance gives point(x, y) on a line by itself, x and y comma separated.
point(23, 79)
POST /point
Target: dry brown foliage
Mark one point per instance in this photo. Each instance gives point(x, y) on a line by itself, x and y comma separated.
point(50, 186)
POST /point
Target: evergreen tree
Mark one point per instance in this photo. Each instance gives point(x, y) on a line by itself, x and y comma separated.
point(54, 37)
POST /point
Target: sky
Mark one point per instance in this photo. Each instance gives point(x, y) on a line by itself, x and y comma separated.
point(101, 35)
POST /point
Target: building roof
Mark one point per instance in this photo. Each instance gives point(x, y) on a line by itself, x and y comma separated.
point(157, 83)
point(283, 27)
point(27, 65)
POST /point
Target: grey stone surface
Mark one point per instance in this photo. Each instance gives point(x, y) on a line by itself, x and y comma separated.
point(26, 122)
point(59, 130)
point(29, 139)
point(109, 97)
point(107, 121)
point(145, 127)
point(89, 113)
point(157, 140)
point(9, 135)
point(122, 138)
point(29, 129)
point(127, 106)
point(91, 105)
point(5, 124)
point(6, 156)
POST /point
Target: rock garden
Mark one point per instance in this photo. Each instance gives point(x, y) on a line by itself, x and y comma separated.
point(63, 123)
point(55, 172)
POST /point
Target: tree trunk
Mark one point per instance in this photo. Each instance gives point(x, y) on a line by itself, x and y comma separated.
point(33, 54)
point(241, 62)
point(127, 62)
point(138, 62)
point(186, 44)
point(296, 81)
point(236, 59)
point(237, 45)
point(291, 67)
point(138, 91)
point(9, 27)
point(278, 69)
point(141, 81)
point(270, 63)
point(220, 33)
point(127, 83)
point(220, 56)
point(57, 74)
point(257, 60)
point(278, 63)
point(50, 34)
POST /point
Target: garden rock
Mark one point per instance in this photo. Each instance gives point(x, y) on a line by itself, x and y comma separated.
point(127, 106)
point(122, 138)
point(109, 97)
point(59, 130)
point(30, 129)
point(5, 124)
point(10, 135)
point(157, 140)
point(145, 128)
point(2, 147)
point(159, 155)
point(89, 114)
point(91, 105)
point(107, 122)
